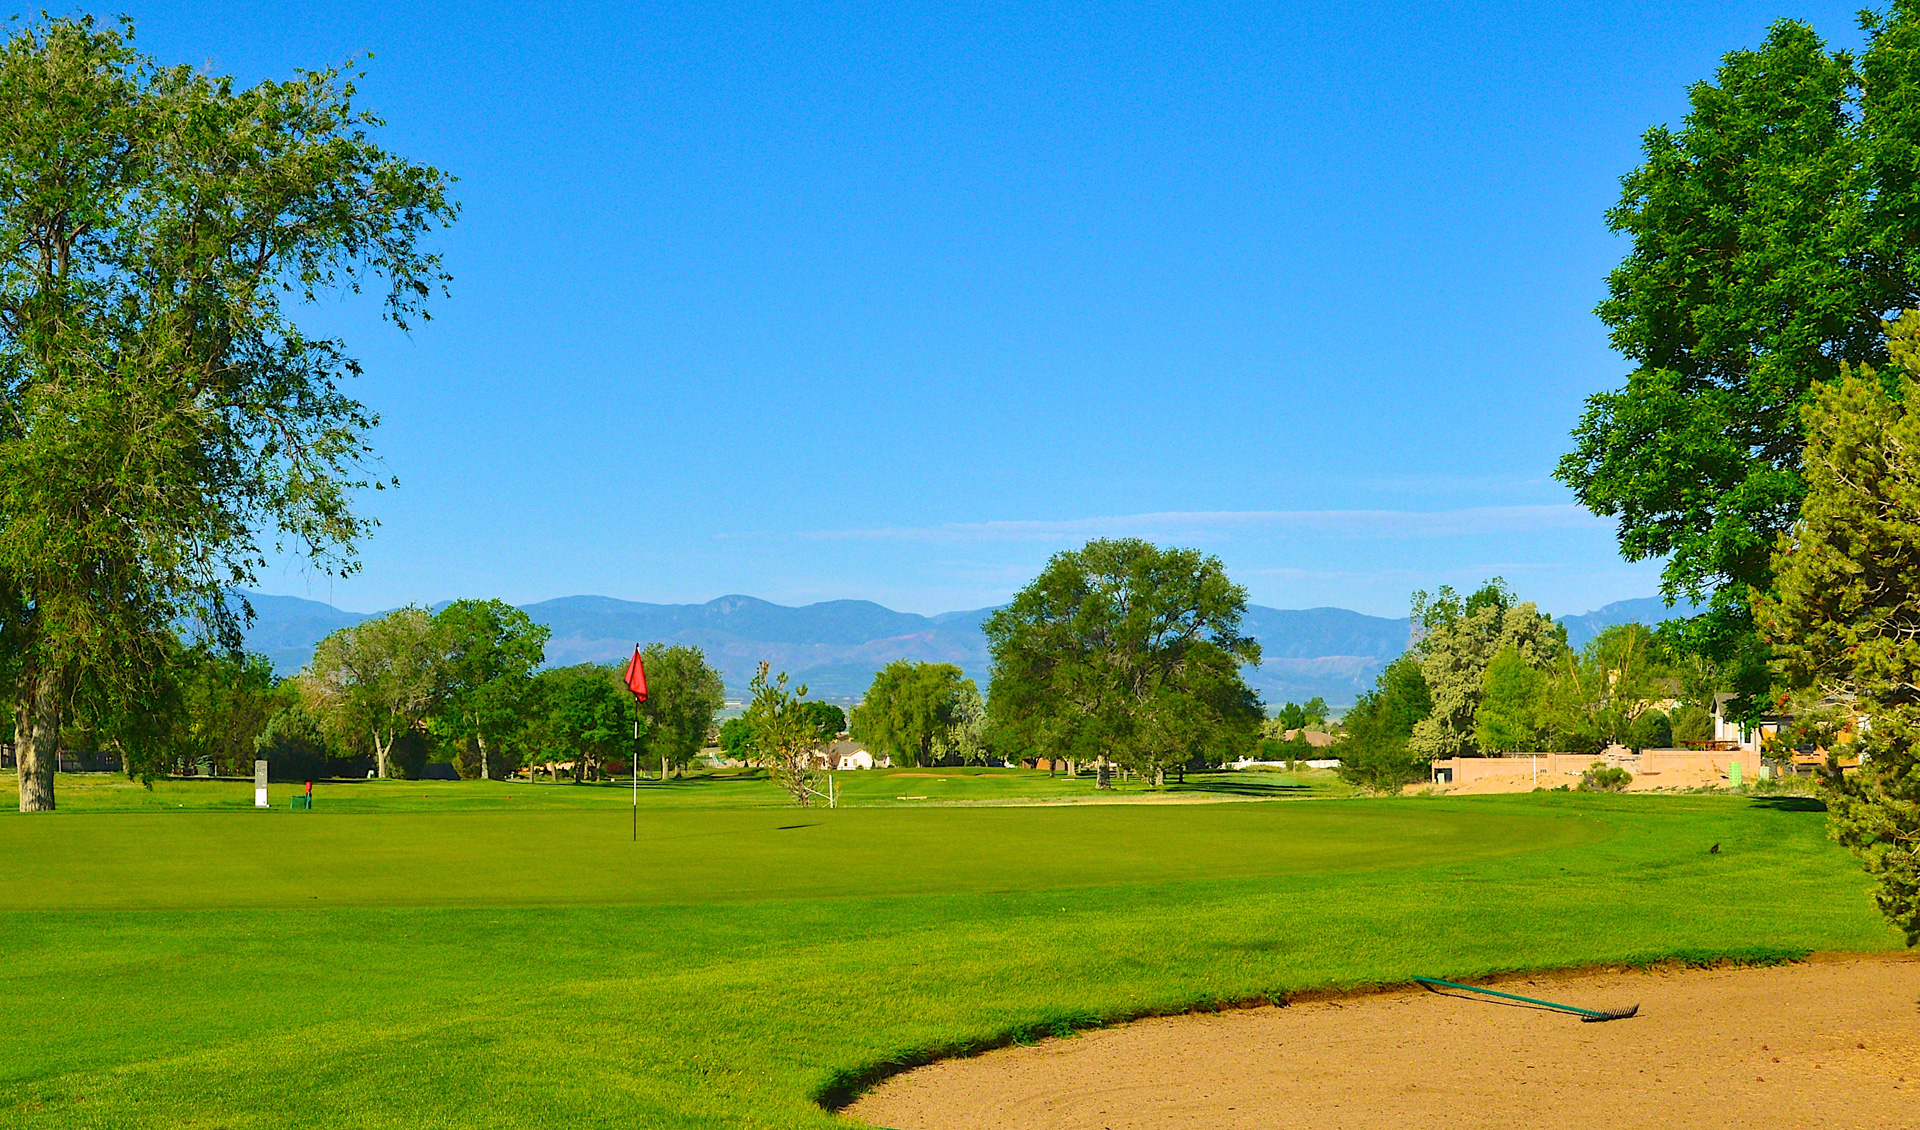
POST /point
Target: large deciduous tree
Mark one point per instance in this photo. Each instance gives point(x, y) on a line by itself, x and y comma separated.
point(1459, 639)
point(1844, 615)
point(1771, 233)
point(488, 651)
point(1122, 649)
point(374, 682)
point(161, 415)
point(587, 717)
point(909, 710)
point(683, 694)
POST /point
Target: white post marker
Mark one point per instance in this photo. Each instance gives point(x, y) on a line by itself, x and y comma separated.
point(260, 784)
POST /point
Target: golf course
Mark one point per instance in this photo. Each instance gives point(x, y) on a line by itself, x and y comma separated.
point(506, 954)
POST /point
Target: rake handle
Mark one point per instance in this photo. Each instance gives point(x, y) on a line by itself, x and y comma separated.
point(1430, 982)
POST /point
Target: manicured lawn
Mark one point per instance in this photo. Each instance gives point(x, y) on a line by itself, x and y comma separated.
point(467, 960)
point(731, 788)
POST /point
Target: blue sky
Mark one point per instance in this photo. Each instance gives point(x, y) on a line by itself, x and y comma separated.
point(892, 301)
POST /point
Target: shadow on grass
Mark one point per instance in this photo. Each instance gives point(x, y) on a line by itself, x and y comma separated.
point(1791, 803)
point(1239, 788)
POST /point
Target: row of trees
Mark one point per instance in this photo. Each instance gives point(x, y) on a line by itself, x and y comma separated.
point(1490, 674)
point(467, 678)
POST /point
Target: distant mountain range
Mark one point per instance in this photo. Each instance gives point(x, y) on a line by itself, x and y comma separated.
point(836, 646)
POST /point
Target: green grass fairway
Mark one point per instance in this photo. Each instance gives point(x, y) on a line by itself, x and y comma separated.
point(492, 955)
point(880, 788)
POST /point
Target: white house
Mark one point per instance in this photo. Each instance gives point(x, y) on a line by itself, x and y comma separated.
point(844, 754)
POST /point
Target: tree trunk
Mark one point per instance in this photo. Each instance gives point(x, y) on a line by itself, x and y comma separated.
point(37, 748)
point(663, 767)
point(1071, 770)
point(482, 739)
point(380, 754)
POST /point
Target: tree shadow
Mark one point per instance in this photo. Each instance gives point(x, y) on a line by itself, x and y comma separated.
point(1790, 803)
point(1238, 788)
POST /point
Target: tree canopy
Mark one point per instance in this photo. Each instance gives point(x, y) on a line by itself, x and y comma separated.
point(783, 734)
point(373, 682)
point(1844, 616)
point(1459, 639)
point(162, 416)
point(1125, 650)
point(683, 694)
point(910, 709)
point(488, 651)
point(1771, 233)
point(1373, 751)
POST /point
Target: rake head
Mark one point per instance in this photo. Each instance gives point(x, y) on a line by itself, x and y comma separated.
point(1598, 1016)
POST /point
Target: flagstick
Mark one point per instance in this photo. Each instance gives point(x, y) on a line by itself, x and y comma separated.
point(636, 681)
point(635, 759)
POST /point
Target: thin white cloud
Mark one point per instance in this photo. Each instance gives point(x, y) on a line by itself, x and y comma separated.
point(1463, 522)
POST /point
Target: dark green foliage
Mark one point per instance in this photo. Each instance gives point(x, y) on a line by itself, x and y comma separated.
point(165, 421)
point(909, 709)
point(683, 693)
point(226, 699)
point(1125, 650)
point(829, 721)
point(1508, 718)
point(1691, 725)
point(584, 717)
point(1373, 752)
point(295, 749)
point(1771, 233)
point(487, 651)
point(1844, 613)
point(409, 755)
point(736, 738)
point(1650, 730)
point(1311, 716)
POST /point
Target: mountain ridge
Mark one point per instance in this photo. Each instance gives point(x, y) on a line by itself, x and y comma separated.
point(835, 646)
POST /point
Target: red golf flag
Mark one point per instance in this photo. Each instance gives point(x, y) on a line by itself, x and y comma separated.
point(637, 675)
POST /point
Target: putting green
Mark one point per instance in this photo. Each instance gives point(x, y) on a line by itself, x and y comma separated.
point(481, 967)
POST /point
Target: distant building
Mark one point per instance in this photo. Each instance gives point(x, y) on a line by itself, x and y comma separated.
point(844, 753)
point(1729, 734)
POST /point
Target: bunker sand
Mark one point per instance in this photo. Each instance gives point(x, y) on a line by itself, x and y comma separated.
point(1831, 1043)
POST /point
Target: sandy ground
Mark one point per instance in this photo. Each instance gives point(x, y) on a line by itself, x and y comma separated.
point(1832, 1043)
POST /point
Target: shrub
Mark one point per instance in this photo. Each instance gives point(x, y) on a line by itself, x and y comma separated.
point(1600, 778)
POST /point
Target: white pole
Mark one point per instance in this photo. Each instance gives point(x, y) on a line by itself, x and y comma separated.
point(636, 780)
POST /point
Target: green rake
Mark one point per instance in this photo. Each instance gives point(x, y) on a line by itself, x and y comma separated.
point(1586, 1015)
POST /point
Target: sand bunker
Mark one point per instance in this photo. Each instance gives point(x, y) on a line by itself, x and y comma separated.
point(1832, 1043)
